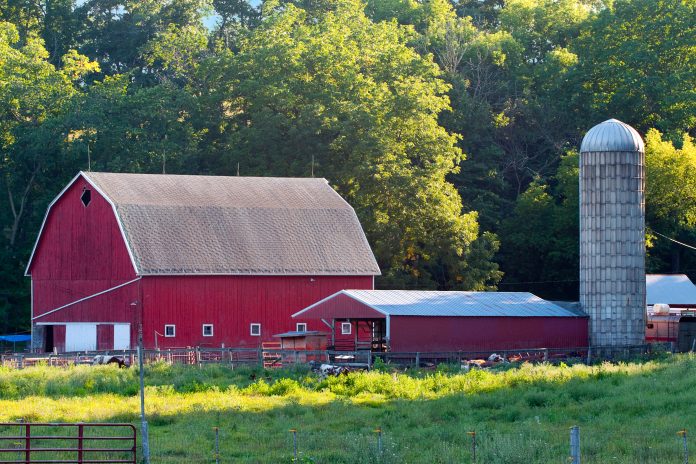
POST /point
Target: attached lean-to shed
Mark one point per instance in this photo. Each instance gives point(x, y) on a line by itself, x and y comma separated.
point(432, 321)
point(199, 260)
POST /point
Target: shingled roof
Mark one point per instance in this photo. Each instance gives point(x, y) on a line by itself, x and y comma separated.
point(179, 224)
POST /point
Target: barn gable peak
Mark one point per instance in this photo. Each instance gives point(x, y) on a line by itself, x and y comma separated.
point(208, 225)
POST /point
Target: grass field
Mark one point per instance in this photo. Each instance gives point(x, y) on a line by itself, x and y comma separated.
point(628, 413)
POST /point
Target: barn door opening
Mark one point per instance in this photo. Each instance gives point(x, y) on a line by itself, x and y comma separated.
point(48, 338)
point(80, 337)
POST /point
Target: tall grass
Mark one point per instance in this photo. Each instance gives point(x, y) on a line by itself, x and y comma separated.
point(80, 381)
point(627, 412)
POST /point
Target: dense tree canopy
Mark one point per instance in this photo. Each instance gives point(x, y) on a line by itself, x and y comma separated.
point(450, 125)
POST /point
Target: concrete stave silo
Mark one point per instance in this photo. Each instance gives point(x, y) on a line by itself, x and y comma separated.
point(612, 234)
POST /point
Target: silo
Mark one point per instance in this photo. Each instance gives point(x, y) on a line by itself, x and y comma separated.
point(612, 234)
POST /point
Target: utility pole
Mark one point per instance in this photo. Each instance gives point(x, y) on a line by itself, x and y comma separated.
point(143, 421)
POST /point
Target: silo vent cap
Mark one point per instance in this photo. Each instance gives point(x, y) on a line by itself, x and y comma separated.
point(612, 135)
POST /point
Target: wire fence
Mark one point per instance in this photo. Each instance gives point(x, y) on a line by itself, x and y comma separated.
point(276, 358)
point(366, 445)
point(379, 446)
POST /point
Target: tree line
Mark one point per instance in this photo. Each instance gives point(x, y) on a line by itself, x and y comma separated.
point(451, 126)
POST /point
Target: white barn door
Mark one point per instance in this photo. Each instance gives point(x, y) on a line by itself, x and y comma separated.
point(80, 337)
point(121, 336)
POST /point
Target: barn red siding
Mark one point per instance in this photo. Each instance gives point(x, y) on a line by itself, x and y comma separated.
point(105, 337)
point(81, 252)
point(59, 337)
point(416, 333)
point(340, 306)
point(231, 304)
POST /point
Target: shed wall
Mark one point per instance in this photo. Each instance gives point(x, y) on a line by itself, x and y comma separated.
point(419, 333)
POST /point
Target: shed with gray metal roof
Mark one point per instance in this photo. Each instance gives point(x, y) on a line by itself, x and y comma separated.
point(412, 320)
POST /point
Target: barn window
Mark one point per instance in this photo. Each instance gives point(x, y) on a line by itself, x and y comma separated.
point(651, 326)
point(346, 328)
point(301, 327)
point(170, 330)
point(255, 330)
point(207, 330)
point(86, 197)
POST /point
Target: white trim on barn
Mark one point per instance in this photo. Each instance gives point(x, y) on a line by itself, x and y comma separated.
point(55, 200)
point(89, 297)
point(43, 224)
point(92, 322)
point(118, 221)
point(346, 328)
point(173, 326)
point(344, 292)
point(31, 314)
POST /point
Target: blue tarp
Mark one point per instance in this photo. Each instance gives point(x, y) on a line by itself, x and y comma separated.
point(15, 338)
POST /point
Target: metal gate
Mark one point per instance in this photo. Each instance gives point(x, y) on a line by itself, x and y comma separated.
point(80, 443)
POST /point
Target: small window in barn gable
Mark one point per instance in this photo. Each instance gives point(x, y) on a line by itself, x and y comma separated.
point(255, 330)
point(301, 327)
point(207, 330)
point(86, 197)
point(346, 328)
point(170, 330)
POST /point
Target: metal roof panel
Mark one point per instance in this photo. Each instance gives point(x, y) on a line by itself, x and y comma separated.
point(671, 289)
point(456, 303)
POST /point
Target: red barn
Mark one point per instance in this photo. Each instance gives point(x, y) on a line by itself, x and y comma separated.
point(200, 260)
point(430, 321)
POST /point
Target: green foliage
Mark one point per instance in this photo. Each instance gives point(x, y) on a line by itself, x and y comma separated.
point(637, 63)
point(331, 92)
point(670, 201)
point(541, 236)
point(34, 96)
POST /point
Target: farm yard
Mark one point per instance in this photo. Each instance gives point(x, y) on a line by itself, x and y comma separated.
point(627, 412)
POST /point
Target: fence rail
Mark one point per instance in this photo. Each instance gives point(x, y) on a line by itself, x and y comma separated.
point(39, 443)
point(271, 358)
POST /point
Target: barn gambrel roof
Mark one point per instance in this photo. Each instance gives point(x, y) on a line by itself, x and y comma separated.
point(208, 225)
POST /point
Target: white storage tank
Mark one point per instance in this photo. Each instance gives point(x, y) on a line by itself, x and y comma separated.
point(612, 234)
point(661, 308)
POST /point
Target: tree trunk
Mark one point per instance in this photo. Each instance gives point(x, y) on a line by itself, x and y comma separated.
point(18, 213)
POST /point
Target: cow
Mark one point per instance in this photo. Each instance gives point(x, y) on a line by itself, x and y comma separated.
point(108, 359)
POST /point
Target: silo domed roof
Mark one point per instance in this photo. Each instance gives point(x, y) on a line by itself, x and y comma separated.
point(612, 135)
